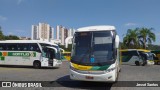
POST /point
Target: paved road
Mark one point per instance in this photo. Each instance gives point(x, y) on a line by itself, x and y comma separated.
point(60, 78)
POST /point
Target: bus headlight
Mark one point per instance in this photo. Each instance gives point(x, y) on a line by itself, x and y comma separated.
point(110, 69)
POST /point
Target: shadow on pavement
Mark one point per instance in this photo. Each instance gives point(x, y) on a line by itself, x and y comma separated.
point(67, 82)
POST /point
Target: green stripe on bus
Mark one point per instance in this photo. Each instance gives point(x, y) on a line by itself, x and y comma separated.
point(22, 54)
point(0, 53)
point(2, 58)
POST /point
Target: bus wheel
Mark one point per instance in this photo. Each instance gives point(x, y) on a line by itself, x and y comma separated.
point(37, 64)
point(117, 75)
point(120, 70)
point(144, 63)
point(155, 63)
point(137, 63)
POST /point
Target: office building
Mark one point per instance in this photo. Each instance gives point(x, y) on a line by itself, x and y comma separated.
point(42, 31)
point(61, 34)
point(71, 32)
point(35, 33)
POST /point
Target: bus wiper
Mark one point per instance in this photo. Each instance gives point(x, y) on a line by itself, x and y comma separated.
point(82, 58)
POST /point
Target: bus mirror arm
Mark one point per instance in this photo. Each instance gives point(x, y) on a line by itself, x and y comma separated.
point(117, 41)
point(67, 41)
point(55, 49)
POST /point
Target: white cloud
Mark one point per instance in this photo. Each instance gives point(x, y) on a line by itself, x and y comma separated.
point(130, 24)
point(2, 18)
point(10, 33)
point(19, 1)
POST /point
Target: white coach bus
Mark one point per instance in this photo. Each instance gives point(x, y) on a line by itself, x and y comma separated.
point(136, 57)
point(95, 54)
point(29, 53)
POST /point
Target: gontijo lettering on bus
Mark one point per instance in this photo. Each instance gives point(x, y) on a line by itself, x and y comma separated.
point(20, 54)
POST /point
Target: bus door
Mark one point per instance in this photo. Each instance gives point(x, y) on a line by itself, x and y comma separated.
point(49, 54)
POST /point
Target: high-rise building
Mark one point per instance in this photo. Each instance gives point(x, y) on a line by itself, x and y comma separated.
point(71, 32)
point(35, 32)
point(61, 34)
point(45, 32)
point(42, 31)
point(58, 32)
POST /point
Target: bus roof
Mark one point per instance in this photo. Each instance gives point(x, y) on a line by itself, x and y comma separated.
point(128, 49)
point(26, 41)
point(96, 28)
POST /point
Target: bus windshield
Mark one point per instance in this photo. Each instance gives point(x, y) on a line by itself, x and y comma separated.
point(149, 56)
point(93, 48)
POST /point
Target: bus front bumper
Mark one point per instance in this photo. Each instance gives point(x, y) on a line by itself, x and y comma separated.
point(150, 62)
point(105, 77)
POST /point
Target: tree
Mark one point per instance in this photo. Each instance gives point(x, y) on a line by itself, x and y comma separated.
point(138, 38)
point(11, 37)
point(146, 36)
point(1, 34)
point(131, 40)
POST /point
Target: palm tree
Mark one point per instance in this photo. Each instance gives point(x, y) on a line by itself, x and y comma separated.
point(146, 35)
point(131, 40)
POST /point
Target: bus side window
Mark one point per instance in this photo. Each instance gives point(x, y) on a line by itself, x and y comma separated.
point(2, 46)
point(12, 47)
point(34, 47)
point(23, 47)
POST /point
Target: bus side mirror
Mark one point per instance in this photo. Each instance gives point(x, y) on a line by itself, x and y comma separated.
point(62, 50)
point(55, 49)
point(117, 41)
point(67, 41)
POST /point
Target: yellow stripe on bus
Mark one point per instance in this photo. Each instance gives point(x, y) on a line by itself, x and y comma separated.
point(81, 67)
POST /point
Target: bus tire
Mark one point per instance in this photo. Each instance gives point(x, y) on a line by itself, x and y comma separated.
point(37, 64)
point(137, 63)
point(117, 75)
point(144, 63)
point(119, 69)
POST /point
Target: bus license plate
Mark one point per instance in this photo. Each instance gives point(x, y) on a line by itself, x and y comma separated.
point(89, 77)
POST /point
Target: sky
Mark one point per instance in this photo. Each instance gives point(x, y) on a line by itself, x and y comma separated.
point(17, 16)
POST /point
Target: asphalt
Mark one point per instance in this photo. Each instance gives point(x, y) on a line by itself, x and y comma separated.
point(58, 78)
